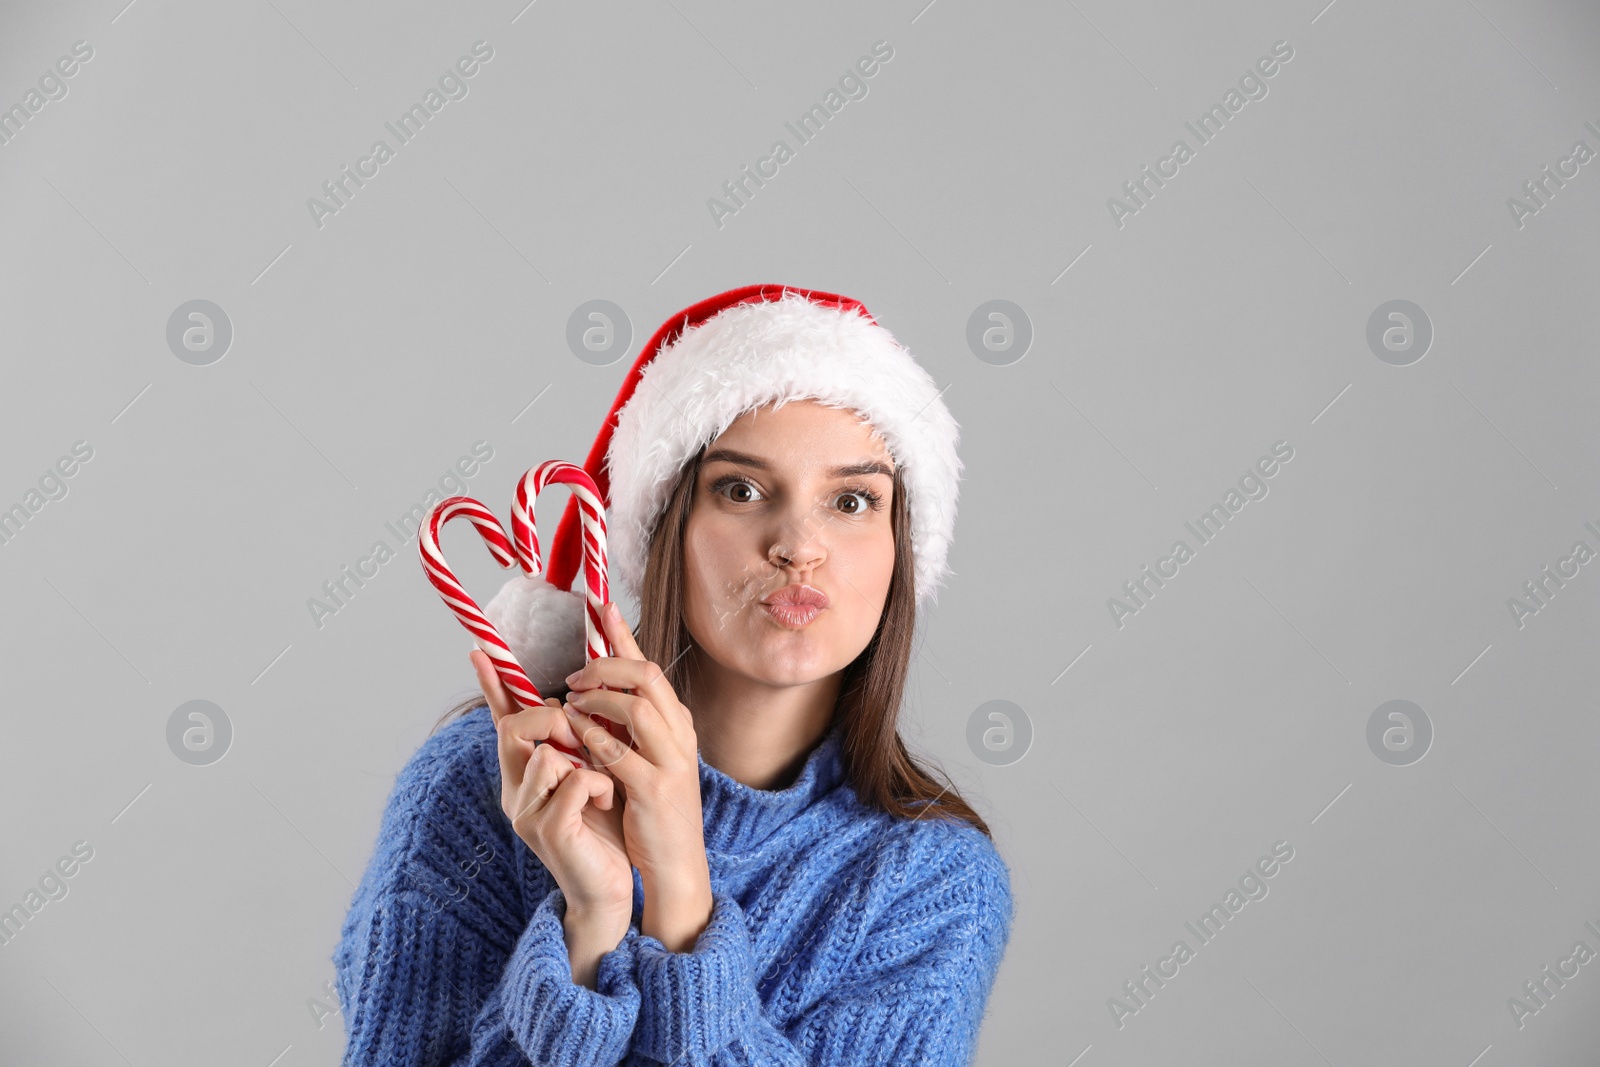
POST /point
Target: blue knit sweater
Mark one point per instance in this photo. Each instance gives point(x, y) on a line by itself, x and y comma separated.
point(839, 935)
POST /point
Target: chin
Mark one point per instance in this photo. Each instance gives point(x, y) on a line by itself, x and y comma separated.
point(788, 666)
point(797, 661)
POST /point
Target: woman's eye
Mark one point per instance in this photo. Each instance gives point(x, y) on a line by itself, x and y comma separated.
point(750, 492)
point(851, 502)
point(865, 501)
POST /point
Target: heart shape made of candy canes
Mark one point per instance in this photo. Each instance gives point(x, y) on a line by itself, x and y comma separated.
point(522, 548)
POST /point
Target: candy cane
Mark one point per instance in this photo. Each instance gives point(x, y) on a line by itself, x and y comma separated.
point(523, 549)
point(591, 515)
point(596, 563)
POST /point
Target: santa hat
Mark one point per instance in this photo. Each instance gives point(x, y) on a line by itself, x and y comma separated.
point(704, 367)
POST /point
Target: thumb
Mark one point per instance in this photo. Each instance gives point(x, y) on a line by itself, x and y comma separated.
point(577, 789)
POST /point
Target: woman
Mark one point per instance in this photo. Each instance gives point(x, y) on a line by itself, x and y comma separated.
point(766, 876)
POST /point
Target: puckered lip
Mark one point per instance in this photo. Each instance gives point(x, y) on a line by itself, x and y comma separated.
point(799, 594)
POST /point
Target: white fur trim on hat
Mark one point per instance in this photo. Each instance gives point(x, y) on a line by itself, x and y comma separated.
point(762, 352)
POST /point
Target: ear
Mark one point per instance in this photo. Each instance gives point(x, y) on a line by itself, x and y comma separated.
point(545, 628)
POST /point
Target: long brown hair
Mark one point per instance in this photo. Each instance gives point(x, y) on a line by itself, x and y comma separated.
point(878, 766)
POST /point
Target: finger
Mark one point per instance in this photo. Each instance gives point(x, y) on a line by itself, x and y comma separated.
point(546, 722)
point(577, 789)
point(640, 677)
point(501, 702)
point(607, 752)
point(515, 752)
point(617, 629)
point(617, 672)
point(655, 739)
point(491, 694)
point(520, 732)
point(546, 768)
point(634, 774)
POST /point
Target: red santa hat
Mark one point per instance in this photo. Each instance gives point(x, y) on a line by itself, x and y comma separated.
point(705, 367)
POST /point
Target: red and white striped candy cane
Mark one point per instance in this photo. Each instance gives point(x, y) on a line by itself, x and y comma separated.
point(591, 515)
point(466, 609)
point(523, 549)
point(596, 564)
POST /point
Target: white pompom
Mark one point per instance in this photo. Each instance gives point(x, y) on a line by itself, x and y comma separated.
point(544, 627)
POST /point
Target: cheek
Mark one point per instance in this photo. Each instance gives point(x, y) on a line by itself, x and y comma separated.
point(868, 564)
point(718, 572)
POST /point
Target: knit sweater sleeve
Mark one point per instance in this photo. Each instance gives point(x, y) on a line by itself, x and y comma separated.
point(421, 990)
point(914, 993)
point(453, 952)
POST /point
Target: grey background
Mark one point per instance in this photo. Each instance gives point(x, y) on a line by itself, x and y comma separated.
point(1228, 314)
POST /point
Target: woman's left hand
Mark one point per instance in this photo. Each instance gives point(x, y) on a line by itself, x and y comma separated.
point(662, 821)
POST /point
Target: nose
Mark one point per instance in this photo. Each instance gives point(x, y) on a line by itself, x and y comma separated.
point(797, 545)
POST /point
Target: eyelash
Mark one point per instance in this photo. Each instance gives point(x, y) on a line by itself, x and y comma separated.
point(874, 498)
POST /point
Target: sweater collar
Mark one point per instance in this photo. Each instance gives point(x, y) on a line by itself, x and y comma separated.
point(739, 818)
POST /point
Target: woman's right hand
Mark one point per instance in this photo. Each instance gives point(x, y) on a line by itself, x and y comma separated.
point(547, 800)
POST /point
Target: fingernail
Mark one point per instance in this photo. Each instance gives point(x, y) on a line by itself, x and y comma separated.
point(614, 611)
point(573, 677)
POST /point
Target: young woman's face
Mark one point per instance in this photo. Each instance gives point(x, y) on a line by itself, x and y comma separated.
point(794, 495)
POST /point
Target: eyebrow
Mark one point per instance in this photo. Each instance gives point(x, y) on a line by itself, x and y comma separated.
point(745, 459)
